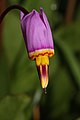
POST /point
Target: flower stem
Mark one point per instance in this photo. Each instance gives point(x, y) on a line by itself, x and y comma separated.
point(2, 7)
point(2, 15)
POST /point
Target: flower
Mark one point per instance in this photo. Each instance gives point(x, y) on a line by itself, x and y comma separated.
point(38, 39)
point(39, 42)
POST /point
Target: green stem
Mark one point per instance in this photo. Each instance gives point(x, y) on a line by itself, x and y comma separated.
point(2, 15)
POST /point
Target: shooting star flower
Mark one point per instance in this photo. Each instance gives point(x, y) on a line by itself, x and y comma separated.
point(39, 43)
point(38, 39)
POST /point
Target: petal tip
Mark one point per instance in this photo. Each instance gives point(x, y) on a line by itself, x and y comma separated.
point(21, 15)
point(41, 10)
point(34, 11)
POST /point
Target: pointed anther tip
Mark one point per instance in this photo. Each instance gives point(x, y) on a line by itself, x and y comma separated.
point(44, 89)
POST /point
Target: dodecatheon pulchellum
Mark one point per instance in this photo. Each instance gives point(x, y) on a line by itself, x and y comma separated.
point(38, 39)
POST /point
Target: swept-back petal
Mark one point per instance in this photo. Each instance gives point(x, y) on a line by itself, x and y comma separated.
point(49, 34)
point(25, 24)
point(21, 15)
point(36, 32)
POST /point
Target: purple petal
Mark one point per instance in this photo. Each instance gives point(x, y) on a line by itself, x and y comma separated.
point(50, 39)
point(21, 15)
point(36, 31)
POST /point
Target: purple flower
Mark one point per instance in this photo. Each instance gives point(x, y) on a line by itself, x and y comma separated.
point(36, 32)
point(38, 39)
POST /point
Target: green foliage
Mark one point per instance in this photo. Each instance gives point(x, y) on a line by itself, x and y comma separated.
point(13, 107)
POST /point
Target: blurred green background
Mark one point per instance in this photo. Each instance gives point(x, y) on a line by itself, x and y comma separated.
point(21, 96)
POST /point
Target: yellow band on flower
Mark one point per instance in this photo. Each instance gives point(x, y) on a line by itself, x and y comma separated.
point(42, 52)
point(42, 60)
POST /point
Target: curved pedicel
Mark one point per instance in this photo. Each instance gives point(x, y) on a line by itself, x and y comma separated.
point(2, 15)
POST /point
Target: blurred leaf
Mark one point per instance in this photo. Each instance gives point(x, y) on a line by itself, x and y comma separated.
point(13, 1)
point(71, 60)
point(62, 93)
point(4, 76)
point(70, 35)
point(24, 77)
point(13, 106)
point(78, 119)
point(12, 37)
point(54, 64)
